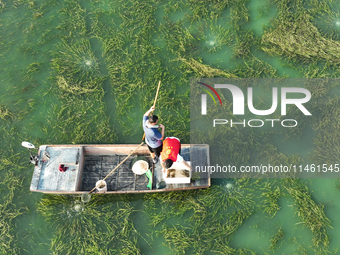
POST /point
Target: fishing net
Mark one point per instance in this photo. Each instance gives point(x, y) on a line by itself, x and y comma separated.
point(85, 197)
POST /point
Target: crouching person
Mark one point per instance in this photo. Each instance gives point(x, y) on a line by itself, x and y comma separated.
point(171, 153)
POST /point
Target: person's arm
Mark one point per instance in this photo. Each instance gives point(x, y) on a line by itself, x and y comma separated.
point(180, 159)
point(162, 132)
point(163, 167)
point(186, 164)
point(149, 111)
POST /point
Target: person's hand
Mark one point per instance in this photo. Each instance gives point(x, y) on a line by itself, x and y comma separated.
point(161, 125)
point(163, 170)
point(152, 109)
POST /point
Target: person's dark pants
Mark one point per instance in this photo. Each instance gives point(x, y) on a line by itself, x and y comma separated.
point(157, 150)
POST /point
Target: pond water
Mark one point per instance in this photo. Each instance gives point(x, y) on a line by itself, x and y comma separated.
point(84, 72)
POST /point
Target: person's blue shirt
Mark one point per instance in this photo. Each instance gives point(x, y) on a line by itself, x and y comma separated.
point(152, 135)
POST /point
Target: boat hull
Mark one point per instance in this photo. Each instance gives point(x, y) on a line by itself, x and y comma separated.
point(86, 164)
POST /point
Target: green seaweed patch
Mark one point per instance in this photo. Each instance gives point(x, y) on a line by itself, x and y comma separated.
point(311, 213)
point(276, 238)
point(2, 5)
point(295, 37)
point(177, 239)
point(327, 147)
point(211, 216)
point(5, 114)
point(202, 70)
point(78, 88)
point(270, 201)
point(31, 69)
point(94, 229)
point(79, 120)
point(8, 210)
point(73, 22)
point(77, 68)
point(210, 9)
point(253, 67)
point(163, 206)
point(180, 41)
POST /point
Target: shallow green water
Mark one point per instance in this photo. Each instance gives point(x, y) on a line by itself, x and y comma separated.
point(111, 55)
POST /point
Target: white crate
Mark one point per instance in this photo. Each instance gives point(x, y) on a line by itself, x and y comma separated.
point(179, 176)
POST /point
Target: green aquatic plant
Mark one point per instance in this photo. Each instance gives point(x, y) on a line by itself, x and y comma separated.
point(327, 149)
point(41, 30)
point(77, 68)
point(311, 213)
point(206, 9)
point(230, 194)
point(8, 208)
point(243, 44)
point(326, 18)
point(202, 70)
point(77, 88)
point(253, 67)
point(34, 67)
point(239, 13)
point(73, 21)
point(295, 37)
point(208, 216)
point(215, 37)
point(177, 239)
point(78, 120)
point(178, 39)
point(173, 6)
point(4, 113)
point(133, 77)
point(94, 229)
point(159, 206)
point(129, 247)
point(271, 196)
point(223, 233)
point(79, 84)
point(276, 238)
point(243, 40)
point(2, 5)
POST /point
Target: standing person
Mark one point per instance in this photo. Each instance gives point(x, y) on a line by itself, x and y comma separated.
point(153, 137)
point(171, 153)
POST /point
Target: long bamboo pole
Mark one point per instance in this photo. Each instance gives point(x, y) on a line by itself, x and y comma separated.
point(154, 103)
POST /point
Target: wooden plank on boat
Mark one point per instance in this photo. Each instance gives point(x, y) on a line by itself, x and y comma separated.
point(51, 178)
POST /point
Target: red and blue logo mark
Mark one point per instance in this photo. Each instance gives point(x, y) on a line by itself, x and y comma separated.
point(209, 93)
